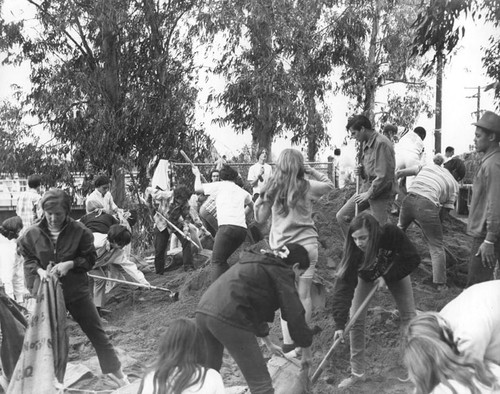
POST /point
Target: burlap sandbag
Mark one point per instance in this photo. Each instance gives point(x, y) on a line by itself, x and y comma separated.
point(42, 363)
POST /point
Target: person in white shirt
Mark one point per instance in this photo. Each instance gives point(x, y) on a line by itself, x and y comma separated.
point(435, 357)
point(259, 173)
point(232, 203)
point(179, 367)
point(102, 194)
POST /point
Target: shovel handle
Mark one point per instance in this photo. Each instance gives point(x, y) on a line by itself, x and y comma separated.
point(351, 322)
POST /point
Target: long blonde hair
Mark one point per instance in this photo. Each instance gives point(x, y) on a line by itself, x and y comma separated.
point(287, 186)
point(432, 357)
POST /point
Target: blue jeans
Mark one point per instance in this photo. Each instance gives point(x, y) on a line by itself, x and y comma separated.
point(227, 240)
point(378, 208)
point(403, 295)
point(242, 345)
point(477, 271)
point(426, 213)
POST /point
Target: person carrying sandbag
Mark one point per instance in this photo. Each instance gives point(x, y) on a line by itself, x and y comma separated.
point(60, 246)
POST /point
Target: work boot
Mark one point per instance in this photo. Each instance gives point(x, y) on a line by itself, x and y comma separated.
point(352, 380)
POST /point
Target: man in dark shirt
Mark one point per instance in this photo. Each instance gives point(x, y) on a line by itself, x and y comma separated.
point(376, 173)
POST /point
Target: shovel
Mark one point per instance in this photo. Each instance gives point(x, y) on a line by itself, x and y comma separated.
point(173, 295)
point(349, 325)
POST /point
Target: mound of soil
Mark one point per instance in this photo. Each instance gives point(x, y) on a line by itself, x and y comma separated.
point(139, 317)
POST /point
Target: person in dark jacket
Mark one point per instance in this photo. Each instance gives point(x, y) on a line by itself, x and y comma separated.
point(372, 253)
point(60, 246)
point(239, 304)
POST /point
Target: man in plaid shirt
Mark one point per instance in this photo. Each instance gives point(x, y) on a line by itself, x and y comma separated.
point(27, 207)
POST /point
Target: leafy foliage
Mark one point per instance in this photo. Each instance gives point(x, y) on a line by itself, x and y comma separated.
point(275, 64)
point(439, 29)
point(112, 80)
point(381, 30)
point(22, 154)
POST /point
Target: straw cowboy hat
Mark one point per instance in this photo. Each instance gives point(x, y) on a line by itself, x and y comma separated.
point(489, 121)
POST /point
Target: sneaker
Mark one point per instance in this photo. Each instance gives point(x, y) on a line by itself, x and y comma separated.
point(352, 380)
point(119, 381)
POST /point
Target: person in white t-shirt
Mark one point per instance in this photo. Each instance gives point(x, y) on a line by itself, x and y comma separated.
point(179, 368)
point(437, 364)
point(259, 173)
point(231, 202)
point(102, 194)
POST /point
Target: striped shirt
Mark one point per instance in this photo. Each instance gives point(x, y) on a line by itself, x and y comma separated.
point(436, 184)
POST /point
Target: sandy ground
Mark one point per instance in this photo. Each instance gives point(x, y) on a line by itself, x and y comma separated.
point(139, 317)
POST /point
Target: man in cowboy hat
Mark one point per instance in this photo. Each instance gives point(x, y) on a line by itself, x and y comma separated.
point(484, 213)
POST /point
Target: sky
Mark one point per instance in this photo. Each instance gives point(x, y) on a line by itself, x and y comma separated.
point(463, 71)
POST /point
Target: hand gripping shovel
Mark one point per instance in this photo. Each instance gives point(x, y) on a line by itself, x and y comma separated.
point(173, 295)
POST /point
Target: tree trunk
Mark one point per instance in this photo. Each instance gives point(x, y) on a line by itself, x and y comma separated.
point(372, 65)
point(261, 40)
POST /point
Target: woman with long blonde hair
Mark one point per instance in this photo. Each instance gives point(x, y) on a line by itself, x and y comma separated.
point(435, 364)
point(288, 198)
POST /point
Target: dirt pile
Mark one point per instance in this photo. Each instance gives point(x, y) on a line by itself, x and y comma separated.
point(139, 317)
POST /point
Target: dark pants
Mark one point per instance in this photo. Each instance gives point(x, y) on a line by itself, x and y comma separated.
point(85, 314)
point(161, 244)
point(242, 345)
point(477, 271)
point(227, 240)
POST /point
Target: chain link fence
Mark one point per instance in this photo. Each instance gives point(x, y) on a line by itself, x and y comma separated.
point(182, 174)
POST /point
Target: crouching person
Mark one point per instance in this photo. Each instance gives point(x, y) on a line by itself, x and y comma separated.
point(60, 246)
point(238, 305)
point(110, 256)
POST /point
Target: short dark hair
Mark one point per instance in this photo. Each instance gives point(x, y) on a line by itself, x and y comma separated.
point(215, 170)
point(356, 122)
point(34, 181)
point(101, 180)
point(298, 254)
point(119, 235)
point(228, 173)
point(11, 227)
point(390, 128)
point(449, 149)
point(420, 131)
point(181, 192)
point(260, 151)
point(456, 167)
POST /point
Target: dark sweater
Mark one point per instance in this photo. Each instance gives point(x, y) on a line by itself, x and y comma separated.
point(75, 242)
point(248, 294)
point(394, 248)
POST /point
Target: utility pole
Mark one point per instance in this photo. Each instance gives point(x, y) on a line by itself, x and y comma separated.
point(478, 96)
point(439, 104)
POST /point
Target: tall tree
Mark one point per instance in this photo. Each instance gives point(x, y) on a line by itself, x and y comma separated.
point(381, 56)
point(112, 79)
point(439, 28)
point(268, 60)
